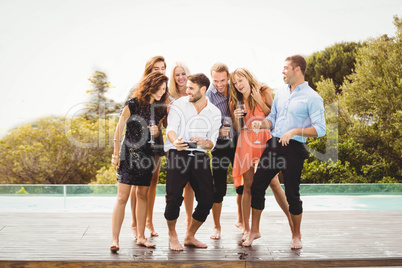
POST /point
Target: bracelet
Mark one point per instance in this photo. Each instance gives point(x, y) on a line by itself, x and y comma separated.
point(117, 140)
point(115, 156)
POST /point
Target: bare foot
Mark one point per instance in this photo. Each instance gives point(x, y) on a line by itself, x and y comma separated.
point(144, 242)
point(134, 230)
point(250, 238)
point(239, 225)
point(174, 243)
point(216, 234)
point(191, 241)
point(296, 243)
point(151, 229)
point(115, 246)
point(245, 236)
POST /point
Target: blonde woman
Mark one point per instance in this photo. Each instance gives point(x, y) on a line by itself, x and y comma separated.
point(177, 89)
point(246, 90)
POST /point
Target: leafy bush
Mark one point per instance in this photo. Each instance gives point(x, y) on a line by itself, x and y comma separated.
point(332, 172)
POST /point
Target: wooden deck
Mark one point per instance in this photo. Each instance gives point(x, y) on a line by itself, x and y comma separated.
point(330, 239)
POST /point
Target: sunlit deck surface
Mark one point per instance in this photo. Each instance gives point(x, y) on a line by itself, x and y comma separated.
point(359, 238)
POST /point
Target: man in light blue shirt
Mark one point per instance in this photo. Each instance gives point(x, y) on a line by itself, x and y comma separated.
point(296, 114)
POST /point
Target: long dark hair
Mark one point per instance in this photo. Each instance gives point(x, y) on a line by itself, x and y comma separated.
point(150, 85)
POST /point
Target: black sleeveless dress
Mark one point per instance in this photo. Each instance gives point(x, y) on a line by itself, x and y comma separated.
point(136, 153)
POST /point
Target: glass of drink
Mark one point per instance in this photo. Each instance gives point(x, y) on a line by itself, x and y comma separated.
point(256, 128)
point(151, 124)
point(227, 122)
point(191, 145)
point(244, 109)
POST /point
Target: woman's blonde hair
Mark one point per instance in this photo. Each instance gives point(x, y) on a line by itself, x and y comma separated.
point(173, 88)
point(236, 96)
point(148, 70)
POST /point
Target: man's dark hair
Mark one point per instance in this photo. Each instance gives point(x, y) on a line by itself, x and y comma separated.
point(199, 79)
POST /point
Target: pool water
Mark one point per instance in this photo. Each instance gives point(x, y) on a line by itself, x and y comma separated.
point(106, 203)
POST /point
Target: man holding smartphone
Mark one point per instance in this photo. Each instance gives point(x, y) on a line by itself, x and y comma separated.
point(191, 119)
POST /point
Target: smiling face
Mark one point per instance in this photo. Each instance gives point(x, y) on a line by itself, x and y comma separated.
point(159, 67)
point(241, 84)
point(193, 91)
point(159, 93)
point(220, 81)
point(180, 77)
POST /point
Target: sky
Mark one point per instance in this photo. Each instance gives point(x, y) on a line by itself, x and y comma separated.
point(49, 48)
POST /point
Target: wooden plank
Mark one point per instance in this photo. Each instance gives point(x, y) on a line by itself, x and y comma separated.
point(330, 239)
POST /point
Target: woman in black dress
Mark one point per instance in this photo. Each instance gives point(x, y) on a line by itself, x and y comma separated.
point(134, 161)
point(154, 64)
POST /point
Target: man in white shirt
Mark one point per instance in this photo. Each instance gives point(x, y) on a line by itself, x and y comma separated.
point(192, 118)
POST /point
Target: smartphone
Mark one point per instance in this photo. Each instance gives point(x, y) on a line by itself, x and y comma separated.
point(191, 144)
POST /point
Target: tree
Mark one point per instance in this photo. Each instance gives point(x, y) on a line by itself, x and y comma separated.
point(99, 105)
point(335, 62)
point(56, 151)
point(373, 97)
point(367, 116)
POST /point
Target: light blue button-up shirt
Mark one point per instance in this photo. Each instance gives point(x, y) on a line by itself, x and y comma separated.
point(301, 109)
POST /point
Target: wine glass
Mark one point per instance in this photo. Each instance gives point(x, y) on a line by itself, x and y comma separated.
point(256, 128)
point(244, 109)
point(191, 144)
point(227, 122)
point(151, 124)
point(191, 151)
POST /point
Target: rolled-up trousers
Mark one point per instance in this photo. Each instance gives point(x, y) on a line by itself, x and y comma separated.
point(288, 159)
point(183, 168)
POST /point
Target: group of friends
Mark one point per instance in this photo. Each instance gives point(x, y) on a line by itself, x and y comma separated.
point(236, 118)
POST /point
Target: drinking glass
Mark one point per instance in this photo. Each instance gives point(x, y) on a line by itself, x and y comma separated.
point(256, 128)
point(189, 141)
point(244, 109)
point(191, 151)
point(151, 124)
point(227, 122)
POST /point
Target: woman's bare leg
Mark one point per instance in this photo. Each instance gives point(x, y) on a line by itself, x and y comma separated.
point(123, 192)
point(152, 195)
point(133, 202)
point(141, 215)
point(239, 223)
point(246, 200)
point(280, 197)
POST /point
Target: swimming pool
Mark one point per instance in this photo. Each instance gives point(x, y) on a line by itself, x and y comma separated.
point(101, 198)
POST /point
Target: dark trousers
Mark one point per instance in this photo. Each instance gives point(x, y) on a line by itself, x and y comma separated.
point(222, 155)
point(183, 168)
point(288, 159)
